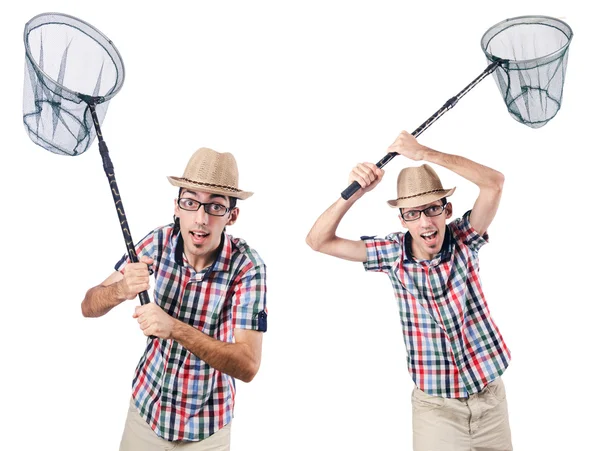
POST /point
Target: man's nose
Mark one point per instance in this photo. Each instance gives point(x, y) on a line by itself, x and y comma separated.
point(201, 215)
point(425, 220)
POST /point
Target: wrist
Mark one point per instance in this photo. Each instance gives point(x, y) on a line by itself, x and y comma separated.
point(345, 204)
point(118, 292)
point(428, 154)
point(179, 330)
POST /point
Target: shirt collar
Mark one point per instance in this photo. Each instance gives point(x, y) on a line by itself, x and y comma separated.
point(221, 263)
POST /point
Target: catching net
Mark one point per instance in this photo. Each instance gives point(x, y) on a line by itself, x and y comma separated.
point(71, 72)
point(68, 65)
point(534, 50)
point(528, 57)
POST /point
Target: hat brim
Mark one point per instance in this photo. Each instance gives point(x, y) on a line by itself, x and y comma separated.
point(420, 199)
point(209, 188)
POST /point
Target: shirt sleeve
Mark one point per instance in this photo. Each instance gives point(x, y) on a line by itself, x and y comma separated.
point(144, 248)
point(465, 233)
point(250, 300)
point(381, 252)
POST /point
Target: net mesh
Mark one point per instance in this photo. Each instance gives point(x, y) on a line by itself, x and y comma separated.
point(531, 77)
point(68, 65)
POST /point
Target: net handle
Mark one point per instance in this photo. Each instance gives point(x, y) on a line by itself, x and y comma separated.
point(110, 174)
point(355, 186)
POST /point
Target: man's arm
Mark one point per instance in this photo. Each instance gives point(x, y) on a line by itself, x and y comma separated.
point(322, 237)
point(489, 181)
point(117, 288)
point(240, 359)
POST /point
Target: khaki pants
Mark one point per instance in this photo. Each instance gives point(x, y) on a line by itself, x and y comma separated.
point(476, 423)
point(139, 436)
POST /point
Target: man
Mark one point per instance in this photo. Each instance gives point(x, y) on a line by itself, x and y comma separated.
point(206, 322)
point(455, 352)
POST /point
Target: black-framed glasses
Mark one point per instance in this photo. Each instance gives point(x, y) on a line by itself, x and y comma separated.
point(413, 215)
point(212, 208)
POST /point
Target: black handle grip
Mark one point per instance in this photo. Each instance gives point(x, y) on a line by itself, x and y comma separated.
point(355, 186)
point(349, 192)
point(143, 295)
point(144, 298)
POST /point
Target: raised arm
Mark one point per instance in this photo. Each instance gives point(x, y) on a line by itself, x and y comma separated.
point(489, 181)
point(322, 237)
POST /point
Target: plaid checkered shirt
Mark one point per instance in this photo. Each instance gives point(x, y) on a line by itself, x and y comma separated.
point(178, 394)
point(454, 348)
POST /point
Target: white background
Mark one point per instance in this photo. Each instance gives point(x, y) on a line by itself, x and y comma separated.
point(300, 92)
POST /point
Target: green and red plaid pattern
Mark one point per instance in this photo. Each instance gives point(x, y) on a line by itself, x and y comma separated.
point(454, 348)
point(179, 395)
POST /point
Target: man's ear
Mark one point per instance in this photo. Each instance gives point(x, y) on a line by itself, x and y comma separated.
point(233, 215)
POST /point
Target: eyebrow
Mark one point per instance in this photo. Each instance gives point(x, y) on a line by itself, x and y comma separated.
point(211, 197)
point(419, 207)
point(424, 207)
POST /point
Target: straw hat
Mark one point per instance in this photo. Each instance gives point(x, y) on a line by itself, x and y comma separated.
point(418, 186)
point(211, 172)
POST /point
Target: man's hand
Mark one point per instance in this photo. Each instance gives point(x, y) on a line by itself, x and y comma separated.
point(489, 181)
point(154, 321)
point(135, 278)
point(407, 145)
point(368, 175)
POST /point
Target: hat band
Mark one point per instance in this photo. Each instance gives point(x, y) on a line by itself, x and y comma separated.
point(422, 194)
point(213, 185)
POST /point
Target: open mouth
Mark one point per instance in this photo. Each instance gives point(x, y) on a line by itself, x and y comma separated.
point(429, 237)
point(198, 237)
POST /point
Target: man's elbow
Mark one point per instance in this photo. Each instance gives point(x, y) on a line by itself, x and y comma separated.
point(498, 181)
point(250, 370)
point(315, 242)
point(85, 310)
point(312, 242)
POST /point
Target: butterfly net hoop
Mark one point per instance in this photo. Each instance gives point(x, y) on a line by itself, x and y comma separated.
point(531, 77)
point(69, 65)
